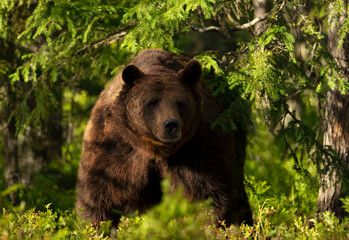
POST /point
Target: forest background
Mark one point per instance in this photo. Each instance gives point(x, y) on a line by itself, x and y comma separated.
point(280, 66)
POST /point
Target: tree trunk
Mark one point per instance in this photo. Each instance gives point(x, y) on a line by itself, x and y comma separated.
point(25, 154)
point(260, 9)
point(11, 169)
point(336, 127)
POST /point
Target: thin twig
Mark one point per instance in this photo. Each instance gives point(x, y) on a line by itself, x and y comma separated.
point(231, 29)
point(274, 18)
point(109, 39)
point(113, 37)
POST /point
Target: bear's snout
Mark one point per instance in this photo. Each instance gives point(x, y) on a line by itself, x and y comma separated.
point(171, 129)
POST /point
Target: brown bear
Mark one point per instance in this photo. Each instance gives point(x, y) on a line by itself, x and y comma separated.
point(154, 119)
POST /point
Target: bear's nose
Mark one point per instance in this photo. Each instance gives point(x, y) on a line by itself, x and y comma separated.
point(171, 126)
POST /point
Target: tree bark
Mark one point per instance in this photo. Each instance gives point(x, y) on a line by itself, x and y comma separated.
point(25, 154)
point(336, 127)
point(11, 168)
point(260, 9)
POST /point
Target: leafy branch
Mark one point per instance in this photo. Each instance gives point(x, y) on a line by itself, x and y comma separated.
point(307, 142)
point(230, 29)
point(274, 14)
point(109, 39)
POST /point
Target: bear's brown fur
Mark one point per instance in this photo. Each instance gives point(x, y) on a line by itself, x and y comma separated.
point(155, 119)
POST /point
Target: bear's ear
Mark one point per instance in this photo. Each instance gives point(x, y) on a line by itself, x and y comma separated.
point(130, 74)
point(191, 74)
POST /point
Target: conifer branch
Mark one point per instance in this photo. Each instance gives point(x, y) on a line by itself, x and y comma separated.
point(241, 27)
point(109, 39)
point(231, 29)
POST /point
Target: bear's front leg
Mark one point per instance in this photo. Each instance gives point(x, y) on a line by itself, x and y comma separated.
point(94, 202)
point(230, 202)
point(232, 206)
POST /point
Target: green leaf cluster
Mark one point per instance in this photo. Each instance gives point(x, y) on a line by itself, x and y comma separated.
point(159, 22)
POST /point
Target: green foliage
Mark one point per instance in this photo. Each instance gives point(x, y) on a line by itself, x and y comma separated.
point(62, 33)
point(158, 22)
point(174, 218)
point(19, 223)
point(237, 109)
point(321, 60)
point(261, 70)
point(336, 9)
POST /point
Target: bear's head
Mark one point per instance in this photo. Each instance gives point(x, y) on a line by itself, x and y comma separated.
point(162, 108)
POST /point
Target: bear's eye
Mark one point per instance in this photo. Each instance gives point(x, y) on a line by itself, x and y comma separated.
point(180, 105)
point(153, 103)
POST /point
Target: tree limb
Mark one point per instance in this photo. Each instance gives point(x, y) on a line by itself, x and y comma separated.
point(231, 29)
point(241, 27)
point(109, 39)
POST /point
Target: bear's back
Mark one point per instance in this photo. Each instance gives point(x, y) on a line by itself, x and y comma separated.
point(158, 62)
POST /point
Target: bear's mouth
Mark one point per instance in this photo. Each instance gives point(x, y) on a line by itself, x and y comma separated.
point(170, 139)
